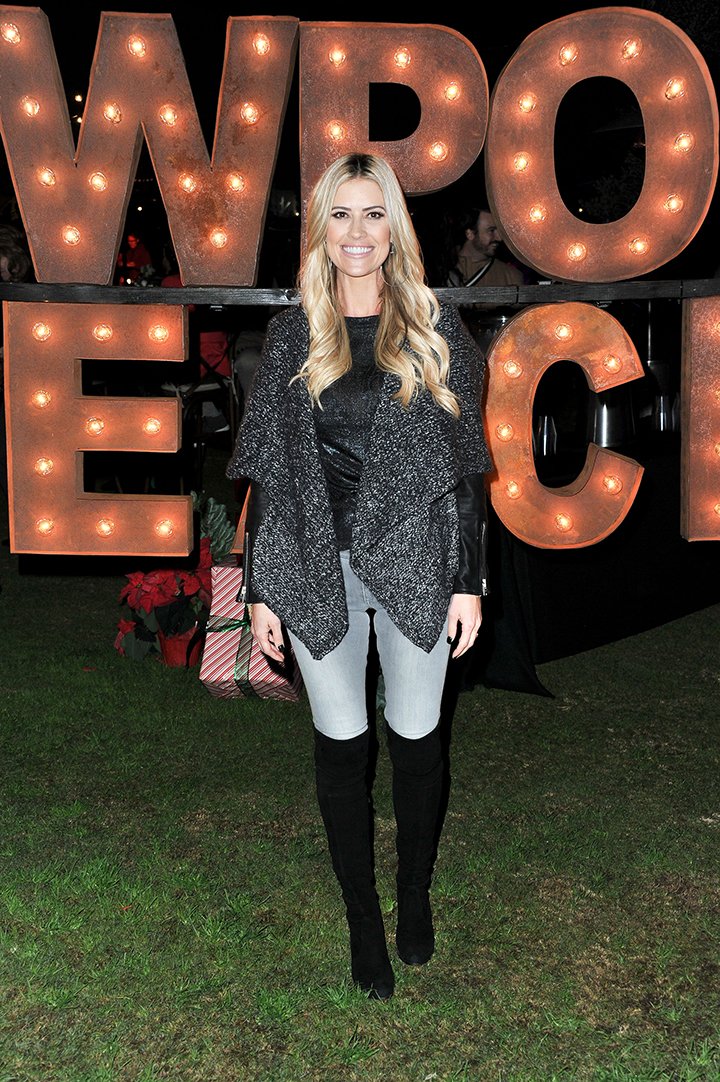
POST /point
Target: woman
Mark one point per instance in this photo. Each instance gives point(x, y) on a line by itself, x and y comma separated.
point(363, 441)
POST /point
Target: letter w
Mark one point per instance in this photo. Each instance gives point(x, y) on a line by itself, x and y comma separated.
point(73, 203)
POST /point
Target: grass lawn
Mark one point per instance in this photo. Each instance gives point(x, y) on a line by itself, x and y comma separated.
point(168, 911)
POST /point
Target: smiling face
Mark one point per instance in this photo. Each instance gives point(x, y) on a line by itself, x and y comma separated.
point(485, 238)
point(358, 233)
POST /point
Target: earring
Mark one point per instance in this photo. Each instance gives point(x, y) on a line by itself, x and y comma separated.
point(392, 249)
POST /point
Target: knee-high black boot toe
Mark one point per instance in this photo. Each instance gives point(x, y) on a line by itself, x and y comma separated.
point(417, 791)
point(341, 776)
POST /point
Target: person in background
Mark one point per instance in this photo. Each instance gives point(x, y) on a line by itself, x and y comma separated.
point(476, 265)
point(477, 261)
point(364, 444)
point(15, 264)
point(133, 257)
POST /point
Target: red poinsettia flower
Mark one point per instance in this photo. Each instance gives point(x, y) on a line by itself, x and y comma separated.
point(190, 584)
point(195, 584)
point(205, 558)
point(148, 591)
point(124, 626)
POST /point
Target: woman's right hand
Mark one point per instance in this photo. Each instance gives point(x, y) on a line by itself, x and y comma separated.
point(267, 629)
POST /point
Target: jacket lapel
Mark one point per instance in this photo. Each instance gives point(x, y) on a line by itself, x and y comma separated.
point(410, 463)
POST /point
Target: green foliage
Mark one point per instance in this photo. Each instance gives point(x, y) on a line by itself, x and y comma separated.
point(215, 523)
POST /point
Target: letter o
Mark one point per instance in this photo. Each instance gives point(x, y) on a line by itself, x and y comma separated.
point(670, 80)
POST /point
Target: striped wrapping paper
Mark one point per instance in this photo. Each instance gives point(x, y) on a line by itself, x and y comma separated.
point(267, 678)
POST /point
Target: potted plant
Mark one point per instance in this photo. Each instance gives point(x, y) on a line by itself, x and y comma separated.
point(166, 610)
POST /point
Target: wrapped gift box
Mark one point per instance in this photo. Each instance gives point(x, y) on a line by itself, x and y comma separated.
point(232, 655)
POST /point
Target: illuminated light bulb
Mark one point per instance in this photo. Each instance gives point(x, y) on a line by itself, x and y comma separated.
point(632, 48)
point(41, 399)
point(639, 245)
point(674, 88)
point(568, 54)
point(512, 369)
point(335, 130)
point(105, 526)
point(236, 182)
point(577, 252)
point(71, 235)
point(612, 363)
point(337, 57)
point(716, 508)
point(537, 213)
point(136, 46)
point(564, 332)
point(527, 102)
point(31, 106)
point(168, 115)
point(402, 57)
point(165, 528)
point(44, 466)
point(187, 182)
point(521, 162)
point(505, 432)
point(41, 332)
point(152, 426)
point(78, 98)
point(158, 333)
point(684, 142)
point(612, 484)
point(563, 522)
point(717, 448)
point(452, 91)
point(261, 44)
point(250, 113)
point(103, 332)
point(44, 525)
point(10, 33)
point(674, 204)
point(98, 182)
point(438, 151)
point(112, 112)
point(46, 176)
point(94, 426)
point(514, 490)
point(218, 238)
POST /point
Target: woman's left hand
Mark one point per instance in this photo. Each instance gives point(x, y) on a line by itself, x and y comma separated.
point(466, 610)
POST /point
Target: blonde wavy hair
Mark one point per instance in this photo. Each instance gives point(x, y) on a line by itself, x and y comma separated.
point(407, 343)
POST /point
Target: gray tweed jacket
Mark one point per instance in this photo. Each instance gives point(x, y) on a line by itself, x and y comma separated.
point(405, 534)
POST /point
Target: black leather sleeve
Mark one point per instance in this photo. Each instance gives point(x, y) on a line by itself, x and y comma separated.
point(472, 574)
point(255, 515)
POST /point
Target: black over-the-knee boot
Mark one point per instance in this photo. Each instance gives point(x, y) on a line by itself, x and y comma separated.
point(417, 791)
point(341, 775)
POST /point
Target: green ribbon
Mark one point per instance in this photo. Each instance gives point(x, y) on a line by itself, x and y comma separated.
point(241, 671)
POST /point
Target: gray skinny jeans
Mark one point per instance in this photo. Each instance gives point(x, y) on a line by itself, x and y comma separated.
point(335, 685)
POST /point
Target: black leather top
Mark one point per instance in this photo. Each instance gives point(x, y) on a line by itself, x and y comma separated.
point(343, 421)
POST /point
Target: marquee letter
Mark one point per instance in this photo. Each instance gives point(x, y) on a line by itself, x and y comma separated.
point(50, 423)
point(595, 503)
point(338, 61)
point(700, 478)
point(670, 80)
point(74, 204)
